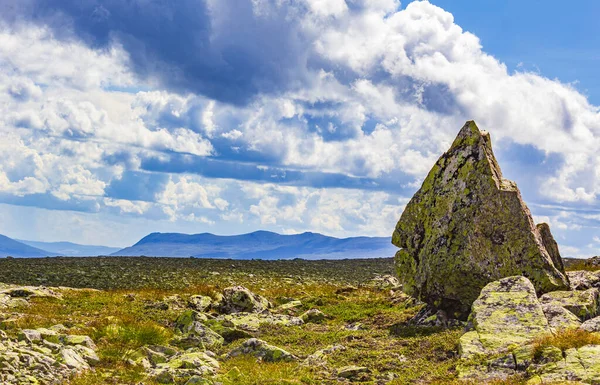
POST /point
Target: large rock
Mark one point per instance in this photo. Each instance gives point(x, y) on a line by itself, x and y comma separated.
point(468, 226)
point(506, 315)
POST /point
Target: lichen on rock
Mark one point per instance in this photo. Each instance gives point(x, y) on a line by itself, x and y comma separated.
point(468, 226)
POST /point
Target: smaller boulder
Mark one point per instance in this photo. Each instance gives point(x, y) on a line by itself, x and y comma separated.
point(251, 321)
point(238, 299)
point(228, 333)
point(200, 303)
point(354, 373)
point(506, 315)
point(591, 325)
point(584, 304)
point(195, 333)
point(313, 316)
point(263, 351)
point(384, 282)
point(319, 358)
point(289, 307)
point(30, 335)
point(559, 317)
point(188, 319)
point(78, 340)
point(73, 360)
point(583, 279)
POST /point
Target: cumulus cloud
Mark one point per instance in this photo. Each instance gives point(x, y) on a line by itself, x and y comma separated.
point(338, 107)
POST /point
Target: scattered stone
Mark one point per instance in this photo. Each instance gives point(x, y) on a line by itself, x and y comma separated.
point(167, 365)
point(354, 373)
point(29, 336)
point(31, 359)
point(355, 326)
point(429, 316)
point(252, 321)
point(197, 380)
point(289, 306)
point(238, 299)
point(584, 304)
point(228, 333)
point(200, 303)
point(346, 289)
point(73, 360)
point(78, 340)
point(583, 279)
point(319, 358)
point(468, 226)
point(384, 282)
point(31, 292)
point(194, 333)
point(263, 351)
point(387, 377)
point(313, 316)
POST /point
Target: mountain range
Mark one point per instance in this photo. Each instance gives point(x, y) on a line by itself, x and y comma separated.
point(71, 249)
point(256, 245)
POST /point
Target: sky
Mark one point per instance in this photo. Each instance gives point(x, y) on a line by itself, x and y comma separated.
point(118, 119)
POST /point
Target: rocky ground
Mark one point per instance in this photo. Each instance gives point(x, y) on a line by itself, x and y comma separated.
point(218, 322)
point(286, 322)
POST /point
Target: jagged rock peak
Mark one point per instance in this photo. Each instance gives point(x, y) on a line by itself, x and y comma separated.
point(468, 226)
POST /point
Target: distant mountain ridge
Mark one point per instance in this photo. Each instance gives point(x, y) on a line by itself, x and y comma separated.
point(259, 245)
point(71, 249)
point(10, 247)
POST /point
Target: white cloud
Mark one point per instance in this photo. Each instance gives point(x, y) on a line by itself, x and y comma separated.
point(385, 92)
point(127, 206)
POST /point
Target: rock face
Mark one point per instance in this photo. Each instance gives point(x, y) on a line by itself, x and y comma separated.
point(507, 314)
point(507, 324)
point(468, 226)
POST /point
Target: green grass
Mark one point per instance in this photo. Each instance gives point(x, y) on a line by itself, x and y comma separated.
point(119, 318)
point(565, 339)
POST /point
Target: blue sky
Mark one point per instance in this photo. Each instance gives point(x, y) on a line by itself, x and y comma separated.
point(550, 37)
point(124, 118)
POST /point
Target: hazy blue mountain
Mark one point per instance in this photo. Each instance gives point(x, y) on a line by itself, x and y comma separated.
point(259, 245)
point(10, 247)
point(69, 249)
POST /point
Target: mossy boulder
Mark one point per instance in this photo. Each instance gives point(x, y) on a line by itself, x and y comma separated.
point(560, 318)
point(313, 316)
point(238, 299)
point(506, 315)
point(354, 373)
point(591, 325)
point(228, 333)
point(252, 321)
point(583, 279)
point(263, 351)
point(583, 303)
point(468, 226)
point(581, 365)
point(200, 302)
point(193, 333)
